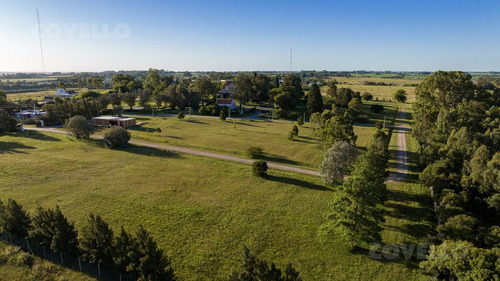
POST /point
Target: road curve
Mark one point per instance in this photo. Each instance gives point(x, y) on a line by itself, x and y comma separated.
point(195, 152)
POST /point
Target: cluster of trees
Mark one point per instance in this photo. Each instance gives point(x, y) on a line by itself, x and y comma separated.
point(457, 125)
point(333, 125)
point(356, 211)
point(344, 98)
point(288, 94)
point(136, 255)
point(7, 122)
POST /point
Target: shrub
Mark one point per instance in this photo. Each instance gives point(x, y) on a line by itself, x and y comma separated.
point(223, 115)
point(158, 130)
point(400, 95)
point(260, 168)
point(79, 127)
point(213, 110)
point(203, 110)
point(180, 115)
point(7, 122)
point(255, 152)
point(376, 108)
point(279, 113)
point(290, 135)
point(116, 137)
point(379, 125)
point(117, 110)
point(300, 121)
point(367, 96)
point(295, 130)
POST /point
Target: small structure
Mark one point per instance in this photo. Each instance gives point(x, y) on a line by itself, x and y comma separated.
point(228, 89)
point(226, 102)
point(29, 114)
point(110, 121)
point(65, 94)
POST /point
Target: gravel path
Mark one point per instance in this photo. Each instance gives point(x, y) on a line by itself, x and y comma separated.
point(196, 152)
point(400, 129)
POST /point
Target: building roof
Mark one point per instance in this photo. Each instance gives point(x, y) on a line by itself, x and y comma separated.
point(113, 118)
point(224, 101)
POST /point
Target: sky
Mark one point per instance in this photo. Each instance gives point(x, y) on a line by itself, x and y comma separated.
point(251, 35)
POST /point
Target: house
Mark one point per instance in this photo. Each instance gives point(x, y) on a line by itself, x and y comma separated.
point(227, 90)
point(110, 121)
point(226, 102)
point(29, 114)
point(65, 94)
point(48, 98)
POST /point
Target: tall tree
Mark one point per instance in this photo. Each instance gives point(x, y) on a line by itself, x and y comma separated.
point(129, 98)
point(206, 87)
point(15, 220)
point(314, 100)
point(243, 88)
point(96, 241)
point(337, 161)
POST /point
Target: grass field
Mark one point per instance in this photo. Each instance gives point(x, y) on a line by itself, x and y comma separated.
point(201, 210)
point(12, 267)
point(39, 96)
point(380, 92)
point(3, 80)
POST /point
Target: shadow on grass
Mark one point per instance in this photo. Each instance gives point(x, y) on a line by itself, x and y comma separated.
point(13, 147)
point(297, 182)
point(195, 121)
point(246, 124)
point(149, 151)
point(34, 135)
point(279, 159)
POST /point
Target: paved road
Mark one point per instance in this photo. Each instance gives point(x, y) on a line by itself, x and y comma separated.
point(399, 130)
point(196, 152)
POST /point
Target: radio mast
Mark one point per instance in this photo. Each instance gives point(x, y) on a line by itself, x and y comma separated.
point(40, 38)
point(291, 59)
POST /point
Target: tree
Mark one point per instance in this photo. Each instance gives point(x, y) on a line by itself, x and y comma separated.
point(61, 85)
point(96, 241)
point(7, 122)
point(243, 88)
point(355, 107)
point(255, 269)
point(144, 96)
point(223, 115)
point(300, 121)
point(261, 87)
point(123, 249)
point(180, 116)
point(129, 98)
point(332, 90)
point(116, 137)
point(255, 152)
point(97, 83)
point(64, 237)
point(460, 259)
point(295, 130)
point(343, 97)
point(147, 261)
point(152, 80)
point(367, 96)
point(285, 101)
point(206, 87)
point(293, 84)
point(400, 95)
point(259, 168)
point(337, 161)
point(79, 127)
point(14, 219)
point(314, 100)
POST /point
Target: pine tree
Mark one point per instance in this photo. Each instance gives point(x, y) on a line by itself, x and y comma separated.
point(314, 100)
point(96, 241)
point(15, 220)
point(147, 261)
point(65, 237)
point(123, 248)
point(42, 226)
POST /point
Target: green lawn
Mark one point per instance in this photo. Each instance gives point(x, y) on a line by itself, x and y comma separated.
point(202, 211)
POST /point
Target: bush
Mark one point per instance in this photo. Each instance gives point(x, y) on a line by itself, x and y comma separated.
point(400, 95)
point(290, 135)
point(117, 110)
point(295, 130)
point(255, 152)
point(376, 108)
point(116, 137)
point(260, 168)
point(180, 115)
point(203, 110)
point(223, 115)
point(279, 113)
point(379, 125)
point(79, 127)
point(7, 122)
point(367, 96)
point(300, 121)
point(158, 130)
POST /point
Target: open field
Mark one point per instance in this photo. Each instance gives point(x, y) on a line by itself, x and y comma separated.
point(201, 210)
point(29, 95)
point(4, 80)
point(12, 268)
point(380, 92)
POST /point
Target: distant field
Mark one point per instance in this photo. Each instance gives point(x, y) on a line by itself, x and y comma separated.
point(201, 211)
point(380, 92)
point(29, 95)
point(3, 80)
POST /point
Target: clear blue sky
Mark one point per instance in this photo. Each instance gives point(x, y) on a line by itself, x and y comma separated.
point(251, 35)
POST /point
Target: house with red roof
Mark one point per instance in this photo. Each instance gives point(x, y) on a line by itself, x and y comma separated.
point(226, 102)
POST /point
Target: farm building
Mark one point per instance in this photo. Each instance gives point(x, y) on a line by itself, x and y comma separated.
point(29, 114)
point(110, 121)
point(226, 102)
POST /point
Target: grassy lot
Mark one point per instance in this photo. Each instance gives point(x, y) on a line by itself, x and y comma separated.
point(3, 80)
point(29, 95)
point(201, 210)
point(380, 92)
point(13, 268)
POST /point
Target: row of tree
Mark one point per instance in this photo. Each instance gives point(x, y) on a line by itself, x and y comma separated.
point(457, 124)
point(356, 211)
point(136, 255)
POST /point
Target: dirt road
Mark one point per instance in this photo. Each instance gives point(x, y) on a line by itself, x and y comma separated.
point(196, 152)
point(399, 131)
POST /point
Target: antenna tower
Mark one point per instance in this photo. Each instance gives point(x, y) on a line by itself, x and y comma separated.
point(40, 38)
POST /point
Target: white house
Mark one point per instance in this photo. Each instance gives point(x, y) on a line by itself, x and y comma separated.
point(29, 114)
point(64, 94)
point(228, 89)
point(226, 102)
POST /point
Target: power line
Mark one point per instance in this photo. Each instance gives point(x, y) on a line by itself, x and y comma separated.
point(40, 37)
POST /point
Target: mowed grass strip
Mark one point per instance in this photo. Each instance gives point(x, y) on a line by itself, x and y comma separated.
point(201, 211)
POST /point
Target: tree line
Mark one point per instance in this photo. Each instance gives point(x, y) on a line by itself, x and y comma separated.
point(457, 124)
